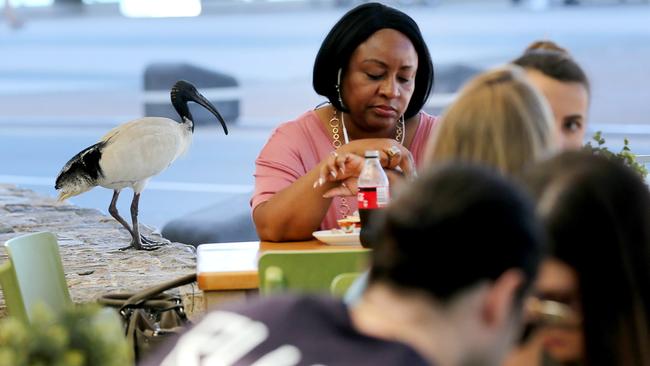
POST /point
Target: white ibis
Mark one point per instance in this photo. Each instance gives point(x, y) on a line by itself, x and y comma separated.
point(131, 153)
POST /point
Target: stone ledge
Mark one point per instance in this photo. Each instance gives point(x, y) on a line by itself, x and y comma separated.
point(89, 244)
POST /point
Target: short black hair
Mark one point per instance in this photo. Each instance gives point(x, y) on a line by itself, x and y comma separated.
point(455, 226)
point(354, 28)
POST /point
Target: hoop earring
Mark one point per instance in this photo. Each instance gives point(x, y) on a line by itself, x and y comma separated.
point(338, 87)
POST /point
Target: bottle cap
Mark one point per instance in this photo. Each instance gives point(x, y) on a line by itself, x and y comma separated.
point(372, 154)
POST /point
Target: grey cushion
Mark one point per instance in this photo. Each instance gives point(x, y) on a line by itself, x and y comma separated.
point(226, 221)
point(161, 76)
point(451, 77)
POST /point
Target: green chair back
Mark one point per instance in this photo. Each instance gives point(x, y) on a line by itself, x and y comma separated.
point(307, 271)
point(341, 283)
point(33, 274)
point(13, 298)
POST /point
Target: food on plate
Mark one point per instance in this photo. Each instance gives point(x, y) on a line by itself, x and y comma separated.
point(349, 223)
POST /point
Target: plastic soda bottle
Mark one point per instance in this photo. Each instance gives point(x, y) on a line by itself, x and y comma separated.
point(373, 192)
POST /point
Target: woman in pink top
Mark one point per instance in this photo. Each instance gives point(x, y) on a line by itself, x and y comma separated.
point(375, 69)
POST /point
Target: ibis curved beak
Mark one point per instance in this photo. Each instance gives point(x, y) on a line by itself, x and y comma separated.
point(200, 99)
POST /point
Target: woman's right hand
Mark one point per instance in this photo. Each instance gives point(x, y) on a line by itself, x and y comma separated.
point(392, 154)
point(345, 164)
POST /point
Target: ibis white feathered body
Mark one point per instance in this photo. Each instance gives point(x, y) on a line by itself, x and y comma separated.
point(131, 153)
point(127, 156)
point(141, 149)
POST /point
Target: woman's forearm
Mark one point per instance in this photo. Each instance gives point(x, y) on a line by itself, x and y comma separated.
point(295, 212)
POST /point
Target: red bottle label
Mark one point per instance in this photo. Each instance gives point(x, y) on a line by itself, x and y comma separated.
point(372, 197)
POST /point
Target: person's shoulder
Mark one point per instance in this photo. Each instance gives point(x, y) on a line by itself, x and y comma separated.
point(262, 327)
point(425, 125)
point(428, 119)
point(427, 122)
point(309, 311)
point(296, 130)
point(316, 329)
point(285, 304)
point(303, 136)
point(301, 122)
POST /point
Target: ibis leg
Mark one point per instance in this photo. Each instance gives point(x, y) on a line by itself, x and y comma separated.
point(139, 242)
point(112, 209)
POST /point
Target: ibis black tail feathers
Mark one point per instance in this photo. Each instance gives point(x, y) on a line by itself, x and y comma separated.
point(80, 173)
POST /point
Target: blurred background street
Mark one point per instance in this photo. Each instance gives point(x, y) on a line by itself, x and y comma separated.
point(69, 75)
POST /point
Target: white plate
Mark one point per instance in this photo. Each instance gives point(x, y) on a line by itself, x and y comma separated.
point(337, 238)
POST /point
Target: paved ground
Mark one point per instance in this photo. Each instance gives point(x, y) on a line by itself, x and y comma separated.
point(66, 79)
point(89, 244)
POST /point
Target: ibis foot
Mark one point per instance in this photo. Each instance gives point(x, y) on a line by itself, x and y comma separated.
point(146, 240)
point(145, 244)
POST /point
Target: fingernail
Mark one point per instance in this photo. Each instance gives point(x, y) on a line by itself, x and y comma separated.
point(315, 184)
point(333, 173)
point(321, 181)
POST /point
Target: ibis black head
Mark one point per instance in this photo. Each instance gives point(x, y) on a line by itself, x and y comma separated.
point(183, 92)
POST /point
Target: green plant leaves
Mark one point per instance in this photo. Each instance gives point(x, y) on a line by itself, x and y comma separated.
point(81, 336)
point(625, 156)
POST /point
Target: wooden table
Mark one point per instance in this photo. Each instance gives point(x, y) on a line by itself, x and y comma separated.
point(227, 271)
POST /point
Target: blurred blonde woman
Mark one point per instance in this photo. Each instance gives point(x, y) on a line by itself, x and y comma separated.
point(499, 120)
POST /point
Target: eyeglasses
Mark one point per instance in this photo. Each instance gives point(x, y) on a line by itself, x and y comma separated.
point(552, 313)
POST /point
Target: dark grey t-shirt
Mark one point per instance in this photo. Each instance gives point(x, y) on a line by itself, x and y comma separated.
point(284, 330)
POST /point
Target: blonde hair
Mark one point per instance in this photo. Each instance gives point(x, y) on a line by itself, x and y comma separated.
point(499, 119)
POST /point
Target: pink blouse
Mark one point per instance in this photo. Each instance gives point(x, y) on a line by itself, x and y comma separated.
point(297, 146)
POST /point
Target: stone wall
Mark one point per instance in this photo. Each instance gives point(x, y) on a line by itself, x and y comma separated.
point(89, 244)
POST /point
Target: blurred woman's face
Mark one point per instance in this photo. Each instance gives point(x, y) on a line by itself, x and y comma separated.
point(562, 337)
point(380, 80)
point(569, 102)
